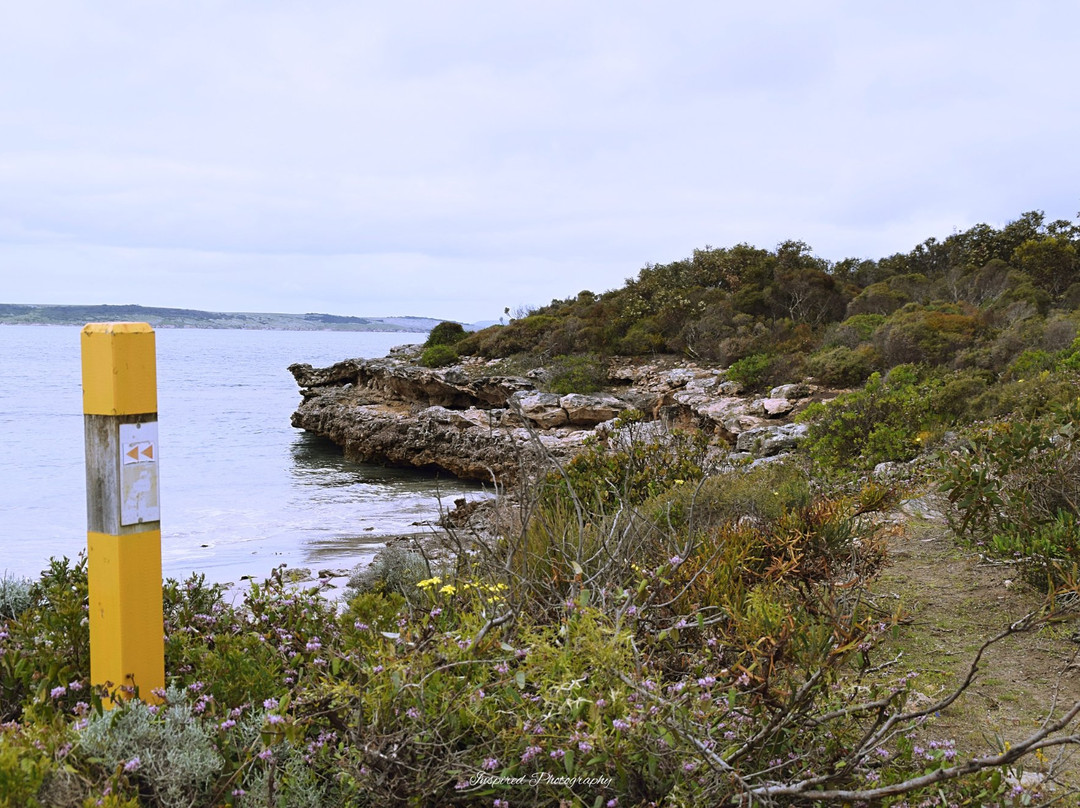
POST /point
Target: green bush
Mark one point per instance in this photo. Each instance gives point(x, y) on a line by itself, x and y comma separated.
point(862, 325)
point(1014, 489)
point(25, 766)
point(752, 372)
point(446, 333)
point(643, 337)
point(438, 356)
point(1030, 363)
point(47, 645)
point(630, 467)
point(958, 392)
point(885, 420)
point(763, 493)
point(842, 366)
point(583, 373)
point(926, 334)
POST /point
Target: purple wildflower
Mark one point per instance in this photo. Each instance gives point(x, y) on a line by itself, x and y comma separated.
point(530, 753)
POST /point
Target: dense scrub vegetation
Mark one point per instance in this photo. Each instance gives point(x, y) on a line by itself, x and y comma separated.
point(696, 636)
point(973, 301)
point(650, 628)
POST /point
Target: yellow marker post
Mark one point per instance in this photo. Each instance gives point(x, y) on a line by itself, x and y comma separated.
point(127, 645)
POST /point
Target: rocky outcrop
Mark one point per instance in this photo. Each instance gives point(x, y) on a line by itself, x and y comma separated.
point(390, 381)
point(766, 441)
point(484, 426)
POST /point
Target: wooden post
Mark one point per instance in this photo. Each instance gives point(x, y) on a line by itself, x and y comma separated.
point(127, 645)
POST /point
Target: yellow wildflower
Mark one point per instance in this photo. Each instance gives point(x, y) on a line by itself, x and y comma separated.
point(448, 589)
point(428, 582)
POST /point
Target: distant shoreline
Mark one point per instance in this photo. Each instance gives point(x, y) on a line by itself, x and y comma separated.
point(77, 315)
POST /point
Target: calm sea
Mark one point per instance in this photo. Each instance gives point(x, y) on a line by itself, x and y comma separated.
point(241, 490)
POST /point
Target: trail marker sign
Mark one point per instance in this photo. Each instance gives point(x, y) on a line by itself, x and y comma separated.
point(139, 473)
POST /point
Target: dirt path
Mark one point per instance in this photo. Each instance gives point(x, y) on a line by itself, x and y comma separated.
point(954, 602)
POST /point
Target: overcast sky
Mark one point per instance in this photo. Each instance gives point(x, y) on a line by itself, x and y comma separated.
point(450, 159)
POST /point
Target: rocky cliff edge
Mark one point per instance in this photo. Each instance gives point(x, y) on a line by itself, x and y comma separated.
point(475, 424)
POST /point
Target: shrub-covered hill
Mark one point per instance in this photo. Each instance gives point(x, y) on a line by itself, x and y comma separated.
point(973, 301)
point(652, 623)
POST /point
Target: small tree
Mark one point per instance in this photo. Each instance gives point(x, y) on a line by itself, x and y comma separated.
point(446, 333)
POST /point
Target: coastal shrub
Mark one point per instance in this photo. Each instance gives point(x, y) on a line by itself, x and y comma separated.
point(885, 420)
point(752, 372)
point(878, 299)
point(394, 569)
point(581, 373)
point(1014, 488)
point(841, 366)
point(286, 780)
point(167, 750)
point(764, 492)
point(643, 337)
point(853, 331)
point(523, 335)
point(438, 356)
point(26, 764)
point(1029, 363)
point(675, 665)
point(46, 647)
point(14, 595)
point(926, 334)
point(636, 463)
point(1033, 396)
point(957, 393)
point(446, 333)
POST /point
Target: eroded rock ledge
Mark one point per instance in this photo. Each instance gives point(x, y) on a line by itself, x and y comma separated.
point(480, 426)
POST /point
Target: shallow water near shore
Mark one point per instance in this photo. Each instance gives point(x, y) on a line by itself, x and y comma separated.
point(241, 490)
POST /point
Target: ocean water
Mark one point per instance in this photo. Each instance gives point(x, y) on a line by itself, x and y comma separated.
point(241, 490)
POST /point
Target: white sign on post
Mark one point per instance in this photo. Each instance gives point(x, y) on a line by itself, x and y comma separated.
point(139, 473)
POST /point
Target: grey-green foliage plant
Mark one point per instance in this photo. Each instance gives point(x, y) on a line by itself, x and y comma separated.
point(14, 595)
point(166, 748)
point(286, 781)
point(394, 570)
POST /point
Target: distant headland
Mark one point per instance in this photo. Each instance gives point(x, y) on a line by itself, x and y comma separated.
point(33, 314)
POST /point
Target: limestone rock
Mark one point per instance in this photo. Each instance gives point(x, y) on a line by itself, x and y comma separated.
point(733, 414)
point(485, 426)
point(543, 409)
point(765, 441)
point(792, 392)
point(584, 410)
point(774, 407)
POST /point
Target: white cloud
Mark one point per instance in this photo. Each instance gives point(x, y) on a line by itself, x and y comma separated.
point(358, 158)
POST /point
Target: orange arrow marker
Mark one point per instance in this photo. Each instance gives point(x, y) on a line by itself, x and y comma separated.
point(134, 453)
point(149, 451)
